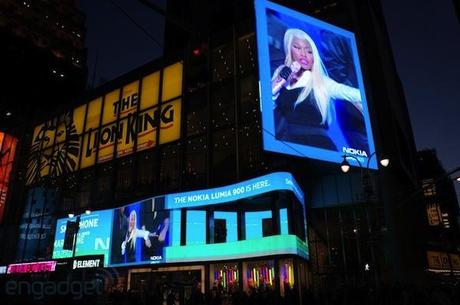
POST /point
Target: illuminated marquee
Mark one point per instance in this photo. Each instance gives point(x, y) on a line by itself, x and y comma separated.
point(47, 266)
point(249, 188)
point(7, 152)
point(131, 118)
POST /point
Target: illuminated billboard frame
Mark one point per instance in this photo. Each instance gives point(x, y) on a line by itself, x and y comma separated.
point(110, 229)
point(133, 117)
point(295, 120)
point(36, 267)
point(245, 189)
point(7, 153)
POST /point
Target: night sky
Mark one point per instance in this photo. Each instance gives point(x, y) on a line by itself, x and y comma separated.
point(425, 38)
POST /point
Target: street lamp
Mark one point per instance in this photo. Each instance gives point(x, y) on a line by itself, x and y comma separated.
point(385, 162)
point(365, 177)
point(345, 165)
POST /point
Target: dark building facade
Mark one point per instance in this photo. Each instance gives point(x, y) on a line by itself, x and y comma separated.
point(441, 227)
point(360, 224)
point(44, 58)
point(456, 4)
point(226, 61)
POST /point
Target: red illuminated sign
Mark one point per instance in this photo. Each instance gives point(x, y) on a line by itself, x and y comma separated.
point(7, 151)
point(48, 266)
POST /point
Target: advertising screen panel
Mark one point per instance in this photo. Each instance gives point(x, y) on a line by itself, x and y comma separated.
point(312, 91)
point(149, 231)
point(93, 238)
point(140, 233)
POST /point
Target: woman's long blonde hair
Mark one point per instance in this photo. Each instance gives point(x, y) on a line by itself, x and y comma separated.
point(318, 74)
point(132, 234)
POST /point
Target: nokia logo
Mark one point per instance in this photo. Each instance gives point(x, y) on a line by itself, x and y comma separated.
point(354, 152)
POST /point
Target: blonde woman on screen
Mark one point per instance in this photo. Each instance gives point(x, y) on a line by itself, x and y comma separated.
point(302, 92)
point(128, 247)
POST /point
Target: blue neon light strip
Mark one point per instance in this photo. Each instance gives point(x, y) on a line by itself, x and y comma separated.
point(249, 188)
point(284, 224)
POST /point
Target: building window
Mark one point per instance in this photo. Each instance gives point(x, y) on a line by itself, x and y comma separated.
point(146, 168)
point(429, 188)
point(84, 195)
point(124, 175)
point(197, 113)
point(247, 54)
point(103, 192)
point(222, 106)
point(222, 64)
point(259, 273)
point(223, 156)
point(249, 100)
point(195, 163)
point(170, 167)
point(227, 275)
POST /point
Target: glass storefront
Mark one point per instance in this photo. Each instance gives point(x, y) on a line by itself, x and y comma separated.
point(226, 276)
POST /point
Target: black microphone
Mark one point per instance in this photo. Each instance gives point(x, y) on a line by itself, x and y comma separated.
point(284, 75)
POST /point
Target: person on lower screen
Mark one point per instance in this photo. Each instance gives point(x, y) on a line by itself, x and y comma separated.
point(128, 246)
point(159, 235)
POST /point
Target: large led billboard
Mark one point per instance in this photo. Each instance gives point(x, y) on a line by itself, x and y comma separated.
point(152, 231)
point(312, 91)
point(140, 233)
point(93, 238)
point(136, 116)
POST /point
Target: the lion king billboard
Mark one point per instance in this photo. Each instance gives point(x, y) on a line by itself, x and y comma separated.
point(134, 117)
